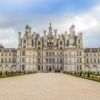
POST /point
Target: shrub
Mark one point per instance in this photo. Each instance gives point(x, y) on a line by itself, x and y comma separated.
point(88, 75)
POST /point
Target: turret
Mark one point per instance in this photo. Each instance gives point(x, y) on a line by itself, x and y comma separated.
point(19, 39)
point(72, 36)
point(79, 40)
point(28, 29)
point(55, 32)
point(44, 32)
point(72, 30)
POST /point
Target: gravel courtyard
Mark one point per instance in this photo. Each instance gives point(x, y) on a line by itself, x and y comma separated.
point(48, 86)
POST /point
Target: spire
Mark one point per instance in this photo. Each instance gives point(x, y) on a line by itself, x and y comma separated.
point(50, 28)
point(50, 24)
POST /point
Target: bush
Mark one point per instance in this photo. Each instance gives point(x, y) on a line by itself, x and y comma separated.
point(88, 75)
point(80, 73)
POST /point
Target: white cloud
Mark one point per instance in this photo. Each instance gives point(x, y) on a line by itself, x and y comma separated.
point(86, 22)
point(8, 37)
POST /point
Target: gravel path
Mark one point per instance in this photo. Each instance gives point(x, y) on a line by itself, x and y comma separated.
point(48, 86)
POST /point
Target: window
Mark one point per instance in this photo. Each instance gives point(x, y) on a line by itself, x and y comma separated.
point(23, 53)
point(79, 46)
point(53, 60)
point(24, 41)
point(77, 68)
point(5, 60)
point(69, 53)
point(94, 54)
point(53, 53)
point(87, 54)
point(77, 60)
point(14, 60)
point(49, 60)
point(91, 61)
point(60, 42)
point(46, 60)
point(2, 54)
point(98, 60)
point(78, 41)
point(38, 60)
point(94, 60)
point(80, 53)
point(87, 60)
point(23, 60)
point(80, 68)
point(32, 43)
point(38, 48)
point(49, 53)
point(46, 53)
point(57, 60)
point(38, 42)
point(61, 48)
point(9, 60)
point(39, 54)
point(80, 60)
point(42, 53)
point(23, 67)
point(24, 46)
point(60, 60)
point(2, 60)
point(5, 54)
point(39, 67)
point(60, 53)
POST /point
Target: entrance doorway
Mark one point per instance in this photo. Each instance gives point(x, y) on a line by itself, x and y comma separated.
point(49, 69)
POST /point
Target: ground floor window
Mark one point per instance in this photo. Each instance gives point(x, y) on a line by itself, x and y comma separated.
point(39, 67)
point(23, 67)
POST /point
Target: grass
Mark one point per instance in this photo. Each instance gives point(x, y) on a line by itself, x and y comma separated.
point(89, 76)
point(12, 74)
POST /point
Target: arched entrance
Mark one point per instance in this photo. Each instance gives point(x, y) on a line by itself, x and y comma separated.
point(50, 69)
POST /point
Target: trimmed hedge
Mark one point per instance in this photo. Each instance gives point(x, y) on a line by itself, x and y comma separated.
point(11, 74)
point(90, 76)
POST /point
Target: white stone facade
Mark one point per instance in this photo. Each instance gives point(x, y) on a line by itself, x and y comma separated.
point(50, 53)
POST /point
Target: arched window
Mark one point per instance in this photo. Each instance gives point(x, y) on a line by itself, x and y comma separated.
point(38, 48)
point(60, 42)
point(24, 41)
point(61, 48)
point(38, 42)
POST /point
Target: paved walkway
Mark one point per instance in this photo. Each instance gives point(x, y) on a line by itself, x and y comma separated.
point(48, 86)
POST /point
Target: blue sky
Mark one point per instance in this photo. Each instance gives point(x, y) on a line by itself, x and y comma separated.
point(15, 14)
point(44, 6)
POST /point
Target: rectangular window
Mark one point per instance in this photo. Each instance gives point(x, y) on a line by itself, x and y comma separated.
point(38, 60)
point(80, 60)
point(46, 60)
point(46, 53)
point(23, 60)
point(87, 60)
point(39, 54)
point(23, 67)
point(23, 53)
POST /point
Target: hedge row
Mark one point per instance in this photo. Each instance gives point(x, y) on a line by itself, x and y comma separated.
point(86, 75)
point(11, 74)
